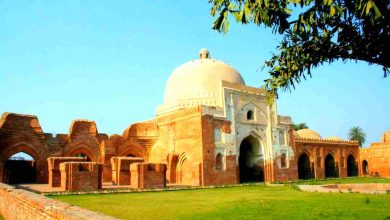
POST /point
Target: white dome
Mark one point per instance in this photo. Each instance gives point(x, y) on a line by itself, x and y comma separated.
point(199, 80)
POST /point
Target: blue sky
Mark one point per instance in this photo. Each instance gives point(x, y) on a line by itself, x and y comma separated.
point(109, 62)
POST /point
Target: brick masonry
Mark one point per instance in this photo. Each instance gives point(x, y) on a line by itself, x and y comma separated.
point(375, 160)
point(77, 176)
point(24, 205)
point(148, 175)
point(54, 168)
point(121, 169)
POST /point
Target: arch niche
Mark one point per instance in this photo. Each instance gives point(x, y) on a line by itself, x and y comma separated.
point(331, 168)
point(20, 165)
point(365, 167)
point(304, 169)
point(250, 161)
point(352, 168)
point(82, 152)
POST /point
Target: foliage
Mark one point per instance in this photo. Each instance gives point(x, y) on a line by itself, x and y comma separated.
point(247, 202)
point(314, 32)
point(300, 126)
point(357, 134)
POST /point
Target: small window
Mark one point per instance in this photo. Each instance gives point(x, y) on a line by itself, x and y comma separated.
point(219, 162)
point(217, 135)
point(249, 115)
point(283, 160)
point(281, 138)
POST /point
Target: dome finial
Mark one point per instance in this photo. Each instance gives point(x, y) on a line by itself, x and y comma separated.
point(204, 54)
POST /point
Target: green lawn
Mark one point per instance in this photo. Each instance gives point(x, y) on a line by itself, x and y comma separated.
point(343, 180)
point(248, 202)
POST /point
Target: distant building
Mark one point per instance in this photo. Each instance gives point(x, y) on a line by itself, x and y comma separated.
point(376, 158)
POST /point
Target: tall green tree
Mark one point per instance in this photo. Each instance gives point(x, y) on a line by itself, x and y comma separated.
point(300, 126)
point(357, 134)
point(314, 32)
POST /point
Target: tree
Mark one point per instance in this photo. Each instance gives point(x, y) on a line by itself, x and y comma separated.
point(300, 126)
point(314, 32)
point(357, 134)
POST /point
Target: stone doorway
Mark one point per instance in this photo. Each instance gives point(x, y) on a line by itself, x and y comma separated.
point(331, 168)
point(20, 168)
point(352, 168)
point(251, 163)
point(304, 168)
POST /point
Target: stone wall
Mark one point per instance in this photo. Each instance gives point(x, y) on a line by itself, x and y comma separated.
point(54, 168)
point(24, 205)
point(148, 175)
point(81, 176)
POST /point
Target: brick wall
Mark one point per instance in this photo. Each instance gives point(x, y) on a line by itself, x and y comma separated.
point(81, 176)
point(377, 157)
point(121, 169)
point(54, 168)
point(148, 175)
point(21, 204)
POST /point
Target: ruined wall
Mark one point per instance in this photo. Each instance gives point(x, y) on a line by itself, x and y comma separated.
point(121, 169)
point(22, 133)
point(21, 204)
point(180, 146)
point(54, 168)
point(148, 175)
point(81, 176)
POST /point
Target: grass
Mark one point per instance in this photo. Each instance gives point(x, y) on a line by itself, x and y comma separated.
point(342, 180)
point(247, 202)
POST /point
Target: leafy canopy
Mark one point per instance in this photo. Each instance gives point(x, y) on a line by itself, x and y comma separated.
point(357, 134)
point(300, 126)
point(314, 32)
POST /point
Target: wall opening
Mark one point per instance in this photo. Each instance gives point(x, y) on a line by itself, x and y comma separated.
point(250, 115)
point(365, 167)
point(283, 161)
point(251, 164)
point(304, 169)
point(331, 168)
point(219, 162)
point(20, 168)
point(352, 167)
point(83, 155)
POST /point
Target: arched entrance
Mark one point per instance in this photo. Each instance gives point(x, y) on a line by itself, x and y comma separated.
point(251, 164)
point(20, 168)
point(352, 168)
point(365, 167)
point(304, 169)
point(331, 169)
